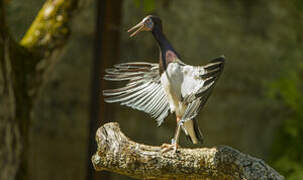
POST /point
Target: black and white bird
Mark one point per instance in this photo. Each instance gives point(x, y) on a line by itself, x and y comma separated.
point(170, 86)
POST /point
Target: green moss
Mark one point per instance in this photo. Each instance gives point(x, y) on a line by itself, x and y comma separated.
point(50, 28)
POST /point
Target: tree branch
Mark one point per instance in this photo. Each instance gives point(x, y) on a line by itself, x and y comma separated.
point(45, 39)
point(50, 28)
point(119, 154)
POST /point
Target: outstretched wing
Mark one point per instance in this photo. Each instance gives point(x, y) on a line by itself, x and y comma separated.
point(143, 90)
point(199, 85)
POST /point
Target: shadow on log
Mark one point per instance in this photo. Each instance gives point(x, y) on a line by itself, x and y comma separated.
point(117, 153)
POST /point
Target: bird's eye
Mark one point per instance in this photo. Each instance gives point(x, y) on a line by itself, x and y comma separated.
point(149, 23)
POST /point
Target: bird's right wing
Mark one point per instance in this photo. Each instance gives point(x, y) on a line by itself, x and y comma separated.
point(143, 90)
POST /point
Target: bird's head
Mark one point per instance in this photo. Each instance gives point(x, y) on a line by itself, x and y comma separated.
point(149, 23)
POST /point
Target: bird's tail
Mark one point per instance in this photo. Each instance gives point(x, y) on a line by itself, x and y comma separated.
point(192, 131)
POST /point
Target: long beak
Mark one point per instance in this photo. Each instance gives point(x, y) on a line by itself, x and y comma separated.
point(140, 26)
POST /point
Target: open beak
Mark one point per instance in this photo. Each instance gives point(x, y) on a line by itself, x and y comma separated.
point(140, 27)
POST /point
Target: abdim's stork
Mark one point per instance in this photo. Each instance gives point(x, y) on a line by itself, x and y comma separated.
point(169, 86)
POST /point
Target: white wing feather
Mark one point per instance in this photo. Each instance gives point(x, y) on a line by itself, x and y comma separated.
point(143, 91)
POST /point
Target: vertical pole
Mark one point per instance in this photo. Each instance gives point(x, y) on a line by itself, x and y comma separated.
point(106, 53)
point(94, 121)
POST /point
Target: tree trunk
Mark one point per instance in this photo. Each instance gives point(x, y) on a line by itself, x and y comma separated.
point(23, 66)
point(11, 147)
point(10, 139)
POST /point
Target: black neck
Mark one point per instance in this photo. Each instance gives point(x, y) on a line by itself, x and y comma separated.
point(164, 45)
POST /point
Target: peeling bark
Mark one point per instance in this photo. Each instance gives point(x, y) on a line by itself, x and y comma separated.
point(119, 154)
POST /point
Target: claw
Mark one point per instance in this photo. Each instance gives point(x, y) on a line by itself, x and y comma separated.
point(168, 147)
point(174, 142)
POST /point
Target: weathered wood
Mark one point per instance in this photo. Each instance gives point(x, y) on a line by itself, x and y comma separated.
point(119, 154)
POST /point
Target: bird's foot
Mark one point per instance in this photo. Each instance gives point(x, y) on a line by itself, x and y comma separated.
point(168, 147)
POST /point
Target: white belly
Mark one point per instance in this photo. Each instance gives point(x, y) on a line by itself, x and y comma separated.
point(172, 82)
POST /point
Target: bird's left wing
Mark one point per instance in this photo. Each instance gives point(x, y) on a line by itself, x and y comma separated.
point(199, 86)
point(143, 90)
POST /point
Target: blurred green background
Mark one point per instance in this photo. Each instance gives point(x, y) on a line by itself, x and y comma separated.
point(256, 107)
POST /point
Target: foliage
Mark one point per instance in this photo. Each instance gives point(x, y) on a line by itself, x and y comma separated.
point(288, 147)
point(148, 5)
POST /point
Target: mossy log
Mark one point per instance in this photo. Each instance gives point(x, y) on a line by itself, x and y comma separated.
point(119, 154)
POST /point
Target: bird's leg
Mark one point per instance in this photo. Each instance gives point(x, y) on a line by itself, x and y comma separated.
point(174, 142)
